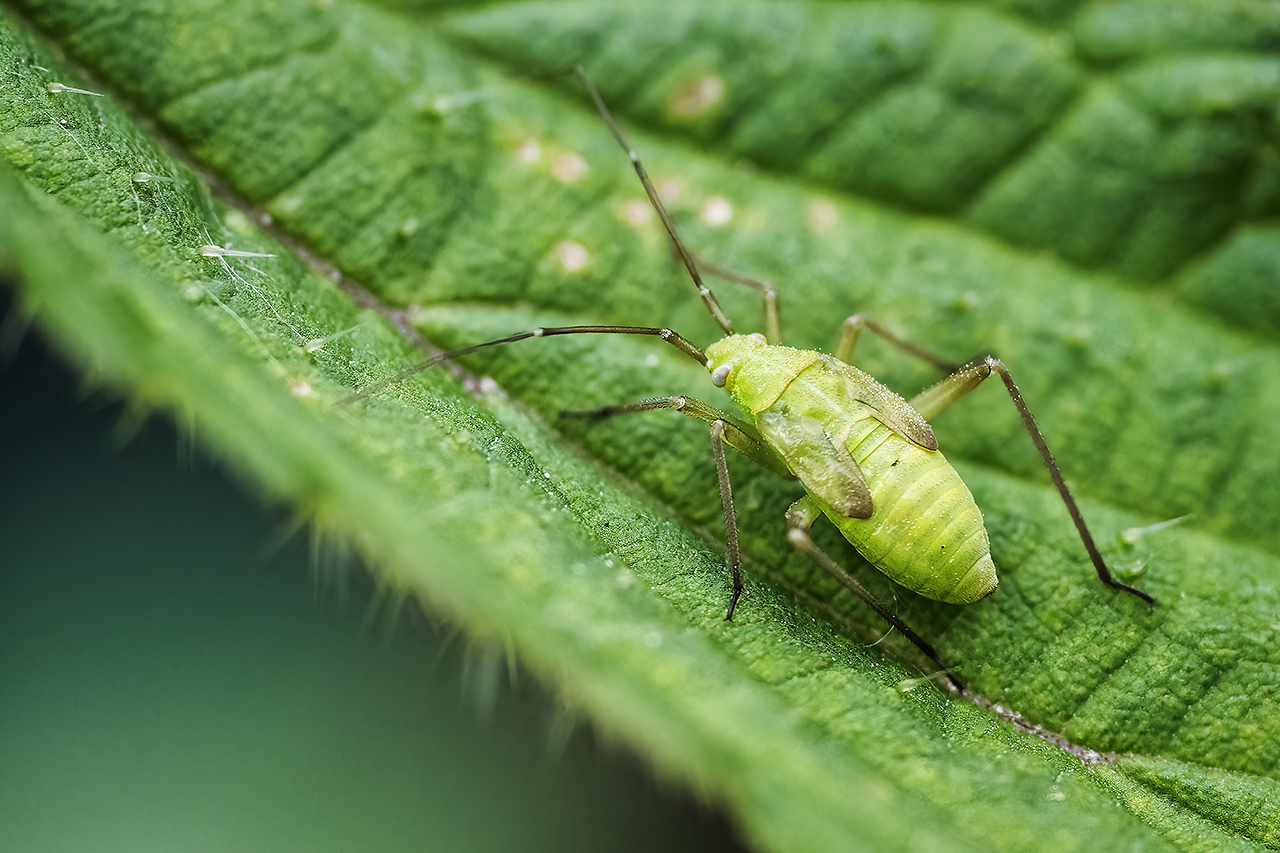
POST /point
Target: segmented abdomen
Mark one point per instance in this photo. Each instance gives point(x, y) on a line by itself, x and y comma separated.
point(926, 532)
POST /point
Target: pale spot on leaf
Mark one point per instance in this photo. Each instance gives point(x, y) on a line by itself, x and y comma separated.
point(572, 256)
point(669, 189)
point(529, 151)
point(287, 204)
point(697, 96)
point(716, 210)
point(569, 168)
point(822, 214)
point(637, 211)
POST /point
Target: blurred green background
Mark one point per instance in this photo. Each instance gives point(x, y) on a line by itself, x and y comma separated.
point(172, 682)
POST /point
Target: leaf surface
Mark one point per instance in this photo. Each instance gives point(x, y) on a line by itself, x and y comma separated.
point(1085, 191)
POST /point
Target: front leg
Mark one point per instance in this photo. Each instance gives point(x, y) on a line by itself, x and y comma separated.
point(724, 429)
point(737, 434)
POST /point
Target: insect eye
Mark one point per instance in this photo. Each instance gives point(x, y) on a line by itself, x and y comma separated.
point(721, 374)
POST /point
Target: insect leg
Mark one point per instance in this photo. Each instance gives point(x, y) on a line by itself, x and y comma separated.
point(725, 429)
point(800, 518)
point(737, 435)
point(772, 325)
point(853, 325)
point(937, 397)
point(730, 516)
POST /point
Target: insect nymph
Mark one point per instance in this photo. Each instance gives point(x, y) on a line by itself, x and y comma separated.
point(867, 458)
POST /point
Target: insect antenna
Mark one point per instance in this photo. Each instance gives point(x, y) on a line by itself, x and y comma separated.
point(708, 298)
point(674, 338)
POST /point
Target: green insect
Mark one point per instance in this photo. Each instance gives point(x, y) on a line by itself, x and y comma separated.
point(867, 458)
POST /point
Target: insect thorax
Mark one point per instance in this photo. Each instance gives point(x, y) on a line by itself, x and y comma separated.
point(759, 372)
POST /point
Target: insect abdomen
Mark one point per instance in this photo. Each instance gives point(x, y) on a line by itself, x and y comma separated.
point(925, 532)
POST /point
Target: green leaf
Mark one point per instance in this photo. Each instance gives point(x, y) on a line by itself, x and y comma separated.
point(1088, 192)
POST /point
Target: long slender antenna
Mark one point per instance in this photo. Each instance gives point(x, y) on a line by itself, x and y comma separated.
point(708, 298)
point(676, 340)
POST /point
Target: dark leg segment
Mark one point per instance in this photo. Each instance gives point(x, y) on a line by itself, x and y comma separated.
point(963, 380)
point(676, 340)
point(800, 518)
point(772, 325)
point(850, 329)
point(724, 430)
point(936, 398)
point(734, 433)
point(730, 517)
